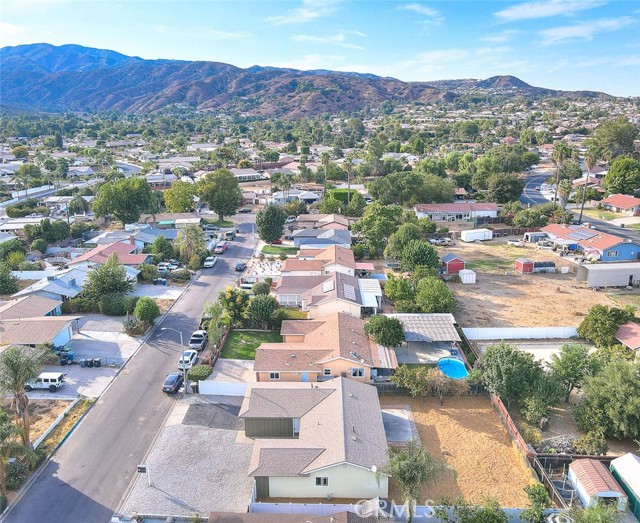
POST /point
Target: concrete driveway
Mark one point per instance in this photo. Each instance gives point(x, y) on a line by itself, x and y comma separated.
point(238, 371)
point(399, 426)
point(161, 292)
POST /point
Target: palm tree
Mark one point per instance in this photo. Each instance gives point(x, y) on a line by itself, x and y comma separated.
point(10, 447)
point(564, 190)
point(283, 181)
point(17, 366)
point(191, 240)
point(412, 467)
point(325, 159)
point(560, 153)
point(590, 159)
point(348, 167)
point(77, 204)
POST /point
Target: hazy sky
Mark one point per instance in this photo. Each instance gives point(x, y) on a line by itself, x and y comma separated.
point(562, 44)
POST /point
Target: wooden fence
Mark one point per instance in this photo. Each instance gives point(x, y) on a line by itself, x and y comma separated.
point(511, 427)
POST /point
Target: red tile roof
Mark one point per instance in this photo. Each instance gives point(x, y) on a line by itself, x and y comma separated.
point(599, 241)
point(594, 476)
point(456, 207)
point(122, 250)
point(622, 201)
point(629, 335)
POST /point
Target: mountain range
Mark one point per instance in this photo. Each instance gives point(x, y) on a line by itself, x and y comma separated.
point(43, 77)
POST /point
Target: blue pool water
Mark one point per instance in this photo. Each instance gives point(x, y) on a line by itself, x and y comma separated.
point(452, 368)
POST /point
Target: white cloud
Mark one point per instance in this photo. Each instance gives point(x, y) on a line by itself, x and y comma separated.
point(222, 35)
point(546, 8)
point(433, 16)
point(502, 37)
point(583, 30)
point(309, 10)
point(339, 39)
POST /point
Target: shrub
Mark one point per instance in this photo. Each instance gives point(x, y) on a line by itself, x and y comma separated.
point(592, 443)
point(147, 310)
point(260, 288)
point(199, 372)
point(181, 275)
point(39, 245)
point(117, 304)
point(195, 262)
point(533, 409)
point(75, 305)
point(531, 434)
point(130, 303)
point(8, 282)
point(358, 251)
point(279, 316)
point(131, 324)
point(148, 272)
point(15, 475)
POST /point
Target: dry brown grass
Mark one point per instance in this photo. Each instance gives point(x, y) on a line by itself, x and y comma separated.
point(43, 413)
point(467, 433)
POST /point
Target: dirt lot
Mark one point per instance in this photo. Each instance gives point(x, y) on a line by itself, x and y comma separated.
point(502, 297)
point(43, 413)
point(467, 433)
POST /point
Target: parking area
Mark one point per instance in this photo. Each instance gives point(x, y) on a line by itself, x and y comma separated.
point(206, 472)
point(399, 426)
point(160, 292)
point(237, 371)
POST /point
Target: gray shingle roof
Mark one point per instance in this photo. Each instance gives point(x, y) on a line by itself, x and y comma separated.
point(428, 327)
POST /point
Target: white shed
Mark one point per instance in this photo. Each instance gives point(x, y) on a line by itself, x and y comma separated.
point(467, 276)
point(594, 483)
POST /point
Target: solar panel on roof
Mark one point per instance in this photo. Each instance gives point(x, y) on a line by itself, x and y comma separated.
point(350, 292)
point(581, 235)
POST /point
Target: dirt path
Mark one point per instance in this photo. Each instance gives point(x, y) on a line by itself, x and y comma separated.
point(467, 433)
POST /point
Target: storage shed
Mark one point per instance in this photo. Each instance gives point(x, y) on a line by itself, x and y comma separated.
point(626, 470)
point(524, 266)
point(594, 483)
point(467, 276)
point(452, 264)
point(609, 274)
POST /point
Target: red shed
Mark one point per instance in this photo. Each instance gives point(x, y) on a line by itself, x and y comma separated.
point(524, 265)
point(452, 264)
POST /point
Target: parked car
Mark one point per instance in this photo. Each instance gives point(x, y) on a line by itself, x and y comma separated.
point(230, 235)
point(290, 219)
point(276, 242)
point(188, 359)
point(174, 265)
point(241, 266)
point(211, 228)
point(545, 244)
point(537, 187)
point(198, 340)
point(50, 381)
point(516, 243)
point(245, 210)
point(209, 262)
point(221, 248)
point(163, 267)
point(173, 382)
point(444, 241)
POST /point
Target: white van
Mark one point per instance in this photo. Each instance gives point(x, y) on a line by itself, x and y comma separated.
point(50, 381)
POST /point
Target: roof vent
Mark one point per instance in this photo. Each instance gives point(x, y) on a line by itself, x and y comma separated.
point(292, 355)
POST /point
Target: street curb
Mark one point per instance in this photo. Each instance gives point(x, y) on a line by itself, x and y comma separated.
point(23, 490)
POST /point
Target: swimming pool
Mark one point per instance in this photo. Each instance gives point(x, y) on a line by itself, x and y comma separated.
point(453, 368)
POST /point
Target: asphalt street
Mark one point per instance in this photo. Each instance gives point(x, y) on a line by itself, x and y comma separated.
point(92, 471)
point(529, 195)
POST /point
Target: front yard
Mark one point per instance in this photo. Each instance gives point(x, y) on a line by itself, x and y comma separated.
point(279, 249)
point(242, 345)
point(601, 214)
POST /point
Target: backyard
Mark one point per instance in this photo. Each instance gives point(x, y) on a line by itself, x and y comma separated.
point(279, 249)
point(467, 433)
point(242, 345)
point(223, 224)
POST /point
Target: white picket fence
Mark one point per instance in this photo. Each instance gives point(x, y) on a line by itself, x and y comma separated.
point(520, 333)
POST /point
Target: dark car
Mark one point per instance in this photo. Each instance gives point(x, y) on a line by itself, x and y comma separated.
point(245, 210)
point(276, 242)
point(241, 266)
point(173, 382)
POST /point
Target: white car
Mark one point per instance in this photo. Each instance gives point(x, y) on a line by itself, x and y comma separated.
point(198, 340)
point(188, 359)
point(516, 243)
point(209, 262)
point(290, 219)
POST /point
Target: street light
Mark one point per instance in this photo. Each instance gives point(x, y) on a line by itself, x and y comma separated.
point(184, 367)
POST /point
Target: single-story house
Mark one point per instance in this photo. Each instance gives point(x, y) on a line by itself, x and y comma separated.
point(293, 195)
point(324, 221)
point(595, 245)
point(318, 350)
point(456, 212)
point(591, 181)
point(594, 484)
point(57, 330)
point(140, 237)
point(160, 180)
point(30, 306)
point(629, 335)
point(312, 262)
point(60, 203)
point(626, 470)
point(452, 264)
point(171, 220)
point(61, 286)
point(622, 203)
point(245, 175)
point(80, 171)
point(321, 238)
point(125, 252)
point(321, 440)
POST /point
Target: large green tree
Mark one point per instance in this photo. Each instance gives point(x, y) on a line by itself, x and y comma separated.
point(109, 278)
point(8, 282)
point(623, 176)
point(615, 137)
point(17, 366)
point(573, 365)
point(125, 199)
point(270, 223)
point(433, 296)
point(234, 302)
point(260, 311)
point(378, 223)
point(385, 331)
point(504, 187)
point(162, 249)
point(601, 323)
point(399, 239)
point(221, 191)
point(419, 253)
point(180, 197)
point(191, 241)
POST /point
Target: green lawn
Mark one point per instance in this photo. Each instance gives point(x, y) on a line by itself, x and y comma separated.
point(626, 298)
point(634, 226)
point(279, 249)
point(224, 224)
point(601, 214)
point(492, 263)
point(243, 345)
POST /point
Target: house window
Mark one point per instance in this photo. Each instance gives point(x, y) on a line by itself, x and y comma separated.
point(357, 372)
point(322, 482)
point(274, 375)
point(613, 254)
point(327, 372)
